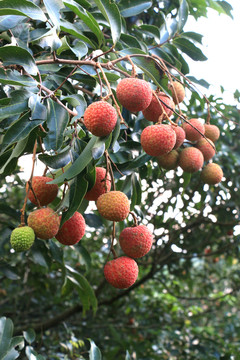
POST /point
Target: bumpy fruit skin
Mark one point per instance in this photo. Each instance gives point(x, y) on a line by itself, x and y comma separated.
point(45, 223)
point(169, 161)
point(191, 133)
point(72, 230)
point(158, 139)
point(208, 150)
point(99, 186)
point(22, 238)
point(212, 132)
point(136, 241)
point(122, 272)
point(134, 94)
point(154, 110)
point(44, 192)
point(178, 92)
point(100, 118)
point(113, 205)
point(212, 174)
point(191, 159)
point(180, 136)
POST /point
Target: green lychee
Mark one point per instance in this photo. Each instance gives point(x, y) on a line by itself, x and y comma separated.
point(121, 272)
point(45, 223)
point(22, 238)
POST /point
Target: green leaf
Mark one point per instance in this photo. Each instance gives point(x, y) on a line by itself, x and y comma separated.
point(136, 196)
point(82, 161)
point(111, 13)
point(146, 63)
point(94, 352)
point(16, 153)
point(201, 82)
point(6, 331)
point(193, 35)
point(53, 8)
point(87, 18)
point(10, 21)
point(132, 8)
point(85, 256)
point(8, 77)
point(57, 120)
point(190, 49)
point(151, 30)
point(78, 189)
point(39, 111)
point(15, 55)
point(56, 161)
point(19, 130)
point(74, 30)
point(182, 14)
point(13, 109)
point(78, 102)
point(21, 7)
point(29, 335)
point(56, 252)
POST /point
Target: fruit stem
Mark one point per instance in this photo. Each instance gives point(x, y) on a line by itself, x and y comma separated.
point(208, 114)
point(133, 67)
point(134, 218)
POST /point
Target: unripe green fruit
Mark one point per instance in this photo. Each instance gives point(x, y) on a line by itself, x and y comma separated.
point(22, 238)
point(45, 223)
point(191, 159)
point(113, 205)
point(191, 133)
point(121, 272)
point(212, 132)
point(134, 94)
point(169, 161)
point(212, 174)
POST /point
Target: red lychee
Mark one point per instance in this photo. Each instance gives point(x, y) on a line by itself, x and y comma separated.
point(212, 174)
point(191, 133)
point(99, 186)
point(178, 91)
point(113, 205)
point(191, 159)
point(44, 192)
point(158, 139)
point(121, 272)
point(207, 148)
point(134, 94)
point(100, 118)
point(169, 161)
point(72, 230)
point(45, 223)
point(212, 132)
point(180, 136)
point(136, 241)
point(155, 110)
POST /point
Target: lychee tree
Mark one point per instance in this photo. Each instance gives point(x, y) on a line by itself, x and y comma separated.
point(129, 227)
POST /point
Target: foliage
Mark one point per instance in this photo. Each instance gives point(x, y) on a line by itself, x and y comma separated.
point(58, 57)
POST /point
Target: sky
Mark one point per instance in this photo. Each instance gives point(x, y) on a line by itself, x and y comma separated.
point(221, 46)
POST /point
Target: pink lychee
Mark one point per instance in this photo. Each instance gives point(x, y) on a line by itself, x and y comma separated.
point(191, 133)
point(136, 241)
point(101, 186)
point(45, 223)
point(100, 118)
point(72, 230)
point(191, 159)
point(158, 139)
point(155, 110)
point(122, 272)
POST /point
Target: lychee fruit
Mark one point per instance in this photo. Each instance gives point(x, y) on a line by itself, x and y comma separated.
point(158, 139)
point(207, 148)
point(155, 110)
point(191, 133)
point(101, 186)
point(121, 272)
point(72, 230)
point(169, 161)
point(191, 159)
point(136, 241)
point(212, 132)
point(113, 205)
point(180, 136)
point(100, 118)
point(178, 91)
point(212, 174)
point(44, 192)
point(45, 223)
point(22, 238)
point(134, 94)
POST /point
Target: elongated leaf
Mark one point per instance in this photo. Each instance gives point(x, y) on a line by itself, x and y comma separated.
point(111, 13)
point(74, 30)
point(182, 14)
point(10, 21)
point(13, 109)
point(94, 352)
point(19, 130)
point(17, 55)
point(29, 335)
point(57, 120)
point(78, 102)
point(78, 189)
point(190, 49)
point(82, 161)
point(39, 111)
point(87, 18)
point(147, 64)
point(6, 331)
point(56, 161)
point(53, 8)
point(136, 192)
point(133, 8)
point(22, 7)
point(17, 152)
point(9, 77)
point(12, 354)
